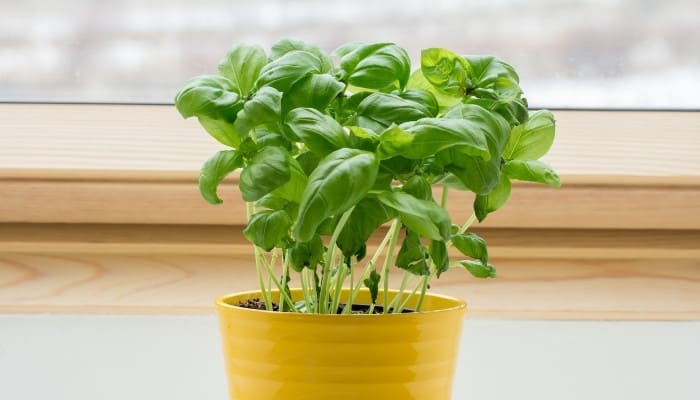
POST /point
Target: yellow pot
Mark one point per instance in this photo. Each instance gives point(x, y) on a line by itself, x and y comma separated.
point(291, 356)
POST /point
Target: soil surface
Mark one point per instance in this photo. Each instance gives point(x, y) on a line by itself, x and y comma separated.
point(259, 304)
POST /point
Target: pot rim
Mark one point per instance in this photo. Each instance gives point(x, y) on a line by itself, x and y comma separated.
point(221, 303)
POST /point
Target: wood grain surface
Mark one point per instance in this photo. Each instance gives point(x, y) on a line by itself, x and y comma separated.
point(551, 274)
point(140, 137)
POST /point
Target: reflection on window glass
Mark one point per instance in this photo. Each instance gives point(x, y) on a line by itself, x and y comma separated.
point(583, 53)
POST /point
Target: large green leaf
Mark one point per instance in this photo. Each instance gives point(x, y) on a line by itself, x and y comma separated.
point(495, 86)
point(375, 65)
point(215, 170)
point(223, 131)
point(471, 245)
point(368, 215)
point(263, 108)
point(533, 139)
point(379, 110)
point(315, 91)
point(423, 97)
point(285, 46)
point(444, 101)
point(484, 204)
point(290, 68)
point(266, 171)
point(341, 180)
point(294, 188)
point(532, 171)
point(318, 131)
point(446, 71)
point(421, 216)
point(210, 96)
point(432, 135)
point(266, 229)
point(477, 175)
point(412, 255)
point(242, 65)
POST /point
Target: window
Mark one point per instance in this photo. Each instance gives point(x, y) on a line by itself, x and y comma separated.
point(571, 54)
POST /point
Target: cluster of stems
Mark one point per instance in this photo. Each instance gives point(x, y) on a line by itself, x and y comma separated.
point(323, 294)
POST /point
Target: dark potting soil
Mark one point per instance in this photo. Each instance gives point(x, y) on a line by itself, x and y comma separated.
point(259, 304)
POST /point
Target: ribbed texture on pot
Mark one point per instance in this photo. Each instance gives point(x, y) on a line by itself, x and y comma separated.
point(286, 356)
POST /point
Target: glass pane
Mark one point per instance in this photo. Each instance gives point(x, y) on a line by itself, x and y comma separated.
point(590, 54)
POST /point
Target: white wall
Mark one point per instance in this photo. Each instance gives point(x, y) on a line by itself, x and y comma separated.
point(87, 357)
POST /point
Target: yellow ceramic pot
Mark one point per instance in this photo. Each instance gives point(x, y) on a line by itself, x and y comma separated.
point(290, 356)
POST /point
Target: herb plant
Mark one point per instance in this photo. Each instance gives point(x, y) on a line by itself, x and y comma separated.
point(333, 147)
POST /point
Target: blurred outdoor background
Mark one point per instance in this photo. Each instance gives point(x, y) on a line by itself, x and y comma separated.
point(570, 54)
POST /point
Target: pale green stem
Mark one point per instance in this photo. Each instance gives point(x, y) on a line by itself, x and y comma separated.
point(423, 290)
point(399, 295)
point(368, 267)
point(250, 210)
point(284, 296)
point(410, 296)
point(326, 278)
point(337, 290)
point(395, 229)
point(445, 191)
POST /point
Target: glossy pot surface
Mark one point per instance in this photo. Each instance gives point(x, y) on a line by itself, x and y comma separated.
point(291, 356)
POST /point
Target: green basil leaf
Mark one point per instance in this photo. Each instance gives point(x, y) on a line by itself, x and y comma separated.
point(479, 270)
point(223, 131)
point(285, 71)
point(533, 139)
point(532, 171)
point(368, 215)
point(446, 71)
point(375, 65)
point(421, 216)
point(315, 91)
point(486, 71)
point(484, 204)
point(285, 46)
point(359, 138)
point(272, 202)
point(393, 141)
point(341, 180)
point(242, 65)
point(432, 135)
point(264, 138)
point(306, 254)
point(266, 229)
point(472, 245)
point(495, 86)
point(308, 161)
point(372, 283)
point(210, 96)
point(268, 170)
point(263, 108)
point(379, 110)
point(294, 188)
point(215, 170)
point(423, 97)
point(321, 133)
point(438, 253)
point(418, 187)
point(412, 255)
point(444, 101)
point(476, 174)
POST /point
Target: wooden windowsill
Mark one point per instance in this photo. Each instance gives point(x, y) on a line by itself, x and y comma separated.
point(99, 213)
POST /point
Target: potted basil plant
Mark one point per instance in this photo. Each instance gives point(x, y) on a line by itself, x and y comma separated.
point(331, 149)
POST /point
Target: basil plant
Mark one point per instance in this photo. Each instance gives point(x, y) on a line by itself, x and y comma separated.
point(332, 148)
